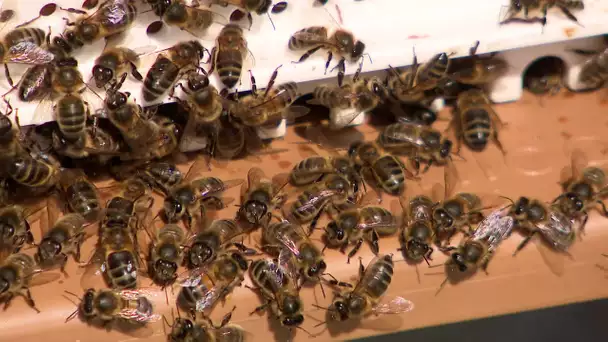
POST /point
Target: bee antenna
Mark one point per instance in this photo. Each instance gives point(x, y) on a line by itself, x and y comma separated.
point(72, 315)
point(321, 285)
point(271, 22)
point(72, 294)
point(304, 330)
point(441, 286)
point(320, 307)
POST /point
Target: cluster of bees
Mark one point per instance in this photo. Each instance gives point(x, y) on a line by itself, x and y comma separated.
point(137, 145)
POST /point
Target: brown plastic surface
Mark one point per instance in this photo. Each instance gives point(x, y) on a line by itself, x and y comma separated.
point(538, 140)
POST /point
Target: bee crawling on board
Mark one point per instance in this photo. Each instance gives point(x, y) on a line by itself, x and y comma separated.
point(114, 62)
point(526, 6)
point(195, 20)
point(477, 250)
point(19, 273)
point(368, 296)
point(202, 328)
point(594, 72)
point(260, 197)
point(128, 311)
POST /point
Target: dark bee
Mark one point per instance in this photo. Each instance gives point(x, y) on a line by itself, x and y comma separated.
point(475, 70)
point(192, 19)
point(166, 254)
point(594, 72)
point(184, 329)
point(525, 6)
point(80, 194)
point(228, 55)
point(418, 232)
point(178, 59)
point(33, 172)
point(112, 63)
point(65, 237)
point(259, 198)
point(14, 227)
point(368, 295)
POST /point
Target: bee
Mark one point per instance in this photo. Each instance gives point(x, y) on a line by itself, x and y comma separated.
point(418, 233)
point(18, 274)
point(341, 43)
point(115, 61)
point(23, 45)
point(517, 6)
point(475, 70)
point(184, 329)
point(536, 217)
point(191, 19)
point(206, 245)
point(387, 170)
point(62, 239)
point(420, 143)
point(269, 109)
point(258, 6)
point(286, 240)
point(35, 83)
point(228, 55)
point(259, 198)
point(477, 250)
point(117, 250)
point(354, 226)
point(105, 307)
point(594, 72)
point(583, 187)
point(160, 175)
point(166, 254)
point(369, 295)
point(204, 286)
point(168, 66)
point(14, 227)
point(33, 172)
point(203, 101)
point(98, 143)
point(475, 122)
point(276, 284)
point(331, 193)
point(544, 76)
point(112, 18)
point(10, 143)
point(360, 96)
point(159, 7)
point(81, 195)
point(191, 197)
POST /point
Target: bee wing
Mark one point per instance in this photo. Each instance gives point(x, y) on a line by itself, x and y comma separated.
point(133, 294)
point(28, 53)
point(451, 179)
point(413, 139)
point(133, 314)
point(113, 12)
point(558, 231)
point(371, 197)
point(393, 305)
point(292, 113)
point(92, 275)
point(255, 176)
point(495, 228)
point(438, 193)
point(144, 50)
point(311, 38)
point(379, 221)
point(578, 162)
point(286, 266)
point(43, 277)
point(233, 332)
point(44, 110)
point(554, 261)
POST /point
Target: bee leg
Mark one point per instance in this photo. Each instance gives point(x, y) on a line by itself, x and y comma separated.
point(64, 262)
point(29, 300)
point(604, 211)
point(343, 247)
point(226, 319)
point(8, 300)
point(313, 223)
point(254, 87)
point(273, 78)
point(524, 242)
point(135, 73)
point(8, 75)
point(428, 166)
point(330, 56)
point(374, 242)
point(429, 252)
point(361, 268)
point(68, 22)
point(212, 60)
point(354, 250)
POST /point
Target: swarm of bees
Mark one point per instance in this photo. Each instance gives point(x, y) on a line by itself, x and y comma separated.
point(137, 247)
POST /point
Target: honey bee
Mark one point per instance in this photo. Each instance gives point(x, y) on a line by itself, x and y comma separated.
point(545, 76)
point(525, 6)
point(475, 122)
point(341, 43)
point(160, 175)
point(111, 18)
point(116, 254)
point(18, 274)
point(98, 143)
point(190, 197)
point(369, 295)
point(477, 250)
point(536, 217)
point(454, 211)
point(23, 46)
point(184, 329)
point(475, 70)
point(205, 245)
point(204, 286)
point(388, 171)
point(192, 19)
point(105, 307)
point(115, 61)
point(33, 172)
point(168, 66)
point(80, 194)
point(361, 224)
point(166, 254)
point(10, 144)
point(360, 96)
point(258, 6)
point(277, 285)
point(327, 195)
point(259, 198)
point(14, 227)
point(420, 143)
point(312, 169)
point(594, 71)
point(270, 108)
point(286, 240)
point(62, 239)
point(418, 233)
point(583, 188)
point(35, 83)
point(228, 55)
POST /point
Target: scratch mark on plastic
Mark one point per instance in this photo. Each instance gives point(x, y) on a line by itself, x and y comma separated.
point(414, 36)
point(339, 14)
point(569, 32)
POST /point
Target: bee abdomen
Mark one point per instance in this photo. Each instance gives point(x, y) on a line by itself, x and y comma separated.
point(382, 272)
point(229, 66)
point(82, 199)
point(296, 43)
point(25, 34)
point(35, 83)
point(389, 174)
point(159, 78)
point(121, 270)
point(31, 172)
point(71, 116)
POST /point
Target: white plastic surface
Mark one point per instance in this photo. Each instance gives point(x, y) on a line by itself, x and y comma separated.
point(273, 133)
point(345, 117)
point(389, 28)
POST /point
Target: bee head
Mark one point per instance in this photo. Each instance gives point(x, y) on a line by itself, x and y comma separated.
point(102, 75)
point(262, 9)
point(6, 127)
point(176, 13)
point(516, 5)
point(164, 270)
point(254, 211)
point(442, 218)
point(575, 202)
point(197, 82)
point(47, 251)
point(291, 321)
point(446, 148)
point(7, 230)
point(88, 31)
point(352, 150)
point(335, 234)
point(317, 269)
point(8, 275)
point(339, 311)
point(459, 261)
point(357, 51)
point(199, 254)
point(181, 328)
point(173, 208)
point(115, 100)
point(88, 303)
